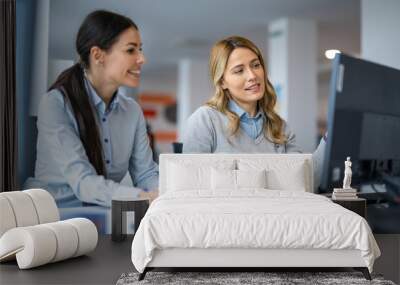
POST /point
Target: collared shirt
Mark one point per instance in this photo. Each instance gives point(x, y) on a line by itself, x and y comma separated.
point(252, 126)
point(62, 166)
point(103, 113)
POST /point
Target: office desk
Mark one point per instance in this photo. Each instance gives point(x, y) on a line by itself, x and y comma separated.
point(102, 266)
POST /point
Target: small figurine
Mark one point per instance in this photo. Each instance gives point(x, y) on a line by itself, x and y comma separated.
point(347, 174)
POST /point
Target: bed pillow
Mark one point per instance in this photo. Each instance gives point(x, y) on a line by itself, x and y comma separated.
point(292, 179)
point(251, 178)
point(280, 174)
point(193, 176)
point(222, 179)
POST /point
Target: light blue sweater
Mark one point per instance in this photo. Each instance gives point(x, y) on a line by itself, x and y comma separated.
point(207, 132)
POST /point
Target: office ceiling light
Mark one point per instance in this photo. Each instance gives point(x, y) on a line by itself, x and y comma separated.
point(330, 53)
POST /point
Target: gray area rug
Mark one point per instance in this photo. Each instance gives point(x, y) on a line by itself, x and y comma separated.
point(229, 278)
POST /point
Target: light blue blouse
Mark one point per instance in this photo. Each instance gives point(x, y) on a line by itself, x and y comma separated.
point(252, 126)
point(62, 166)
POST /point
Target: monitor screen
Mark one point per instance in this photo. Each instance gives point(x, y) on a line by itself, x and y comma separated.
point(363, 121)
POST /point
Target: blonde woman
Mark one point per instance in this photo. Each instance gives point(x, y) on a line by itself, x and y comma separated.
point(240, 117)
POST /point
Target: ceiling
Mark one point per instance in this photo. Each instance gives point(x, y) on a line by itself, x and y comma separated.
point(175, 29)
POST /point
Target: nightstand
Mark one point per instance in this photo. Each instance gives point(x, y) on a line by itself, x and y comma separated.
point(119, 207)
point(358, 206)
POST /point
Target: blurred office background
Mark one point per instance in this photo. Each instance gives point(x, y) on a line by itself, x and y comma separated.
point(177, 35)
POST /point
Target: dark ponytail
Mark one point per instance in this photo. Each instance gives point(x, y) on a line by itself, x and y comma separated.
point(102, 29)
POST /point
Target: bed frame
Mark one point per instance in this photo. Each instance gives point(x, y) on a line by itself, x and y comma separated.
point(248, 259)
point(236, 259)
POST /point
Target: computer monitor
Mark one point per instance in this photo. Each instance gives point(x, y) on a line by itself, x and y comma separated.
point(363, 123)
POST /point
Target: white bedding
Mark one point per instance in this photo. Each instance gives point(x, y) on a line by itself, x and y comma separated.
point(252, 218)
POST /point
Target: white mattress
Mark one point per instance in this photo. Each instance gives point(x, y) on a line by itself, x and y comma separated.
point(253, 218)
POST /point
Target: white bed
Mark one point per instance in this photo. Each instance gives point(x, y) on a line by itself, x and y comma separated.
point(225, 210)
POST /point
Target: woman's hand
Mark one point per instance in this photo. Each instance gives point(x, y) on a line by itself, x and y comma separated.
point(325, 137)
point(149, 195)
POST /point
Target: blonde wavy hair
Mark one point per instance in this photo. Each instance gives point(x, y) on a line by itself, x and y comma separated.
point(220, 52)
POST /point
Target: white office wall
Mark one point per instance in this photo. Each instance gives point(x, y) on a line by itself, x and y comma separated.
point(293, 71)
point(194, 89)
point(55, 67)
point(164, 80)
point(380, 31)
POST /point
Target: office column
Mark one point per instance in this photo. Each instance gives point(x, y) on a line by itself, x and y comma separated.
point(194, 89)
point(292, 65)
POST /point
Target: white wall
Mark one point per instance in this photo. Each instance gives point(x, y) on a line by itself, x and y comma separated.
point(293, 71)
point(55, 67)
point(380, 31)
point(194, 89)
point(163, 80)
point(302, 89)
